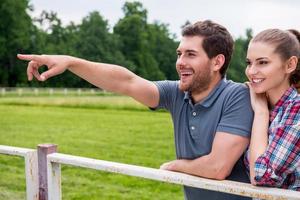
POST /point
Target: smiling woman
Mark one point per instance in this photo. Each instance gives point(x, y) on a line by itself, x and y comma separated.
point(273, 70)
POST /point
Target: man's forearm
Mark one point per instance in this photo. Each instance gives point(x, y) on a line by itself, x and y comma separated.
point(203, 166)
point(106, 76)
point(109, 77)
point(206, 167)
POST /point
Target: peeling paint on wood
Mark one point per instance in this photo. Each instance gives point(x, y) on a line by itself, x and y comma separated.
point(53, 171)
point(43, 150)
point(31, 172)
point(227, 186)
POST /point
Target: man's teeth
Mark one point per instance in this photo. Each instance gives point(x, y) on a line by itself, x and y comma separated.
point(257, 80)
point(186, 73)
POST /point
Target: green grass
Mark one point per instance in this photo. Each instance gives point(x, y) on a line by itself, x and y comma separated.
point(107, 128)
point(101, 102)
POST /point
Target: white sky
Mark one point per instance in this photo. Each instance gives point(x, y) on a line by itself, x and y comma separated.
point(235, 15)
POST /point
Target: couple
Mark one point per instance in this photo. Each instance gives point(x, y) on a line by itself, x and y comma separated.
point(213, 118)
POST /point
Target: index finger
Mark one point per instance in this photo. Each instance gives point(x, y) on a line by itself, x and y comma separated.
point(30, 57)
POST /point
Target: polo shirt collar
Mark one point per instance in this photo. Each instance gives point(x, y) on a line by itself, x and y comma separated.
point(213, 95)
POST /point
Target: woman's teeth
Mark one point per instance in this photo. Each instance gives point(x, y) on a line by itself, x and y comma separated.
point(257, 80)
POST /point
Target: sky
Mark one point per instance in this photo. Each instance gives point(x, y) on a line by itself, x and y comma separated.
point(235, 15)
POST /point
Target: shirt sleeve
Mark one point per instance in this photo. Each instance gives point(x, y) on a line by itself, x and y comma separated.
point(237, 114)
point(167, 94)
point(282, 156)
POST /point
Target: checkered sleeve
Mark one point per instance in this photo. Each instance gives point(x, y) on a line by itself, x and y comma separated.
point(282, 156)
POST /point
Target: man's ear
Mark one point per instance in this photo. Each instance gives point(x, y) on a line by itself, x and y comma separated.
point(219, 61)
point(291, 64)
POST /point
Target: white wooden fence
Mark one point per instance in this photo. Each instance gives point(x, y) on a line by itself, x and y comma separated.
point(31, 168)
point(31, 91)
point(53, 176)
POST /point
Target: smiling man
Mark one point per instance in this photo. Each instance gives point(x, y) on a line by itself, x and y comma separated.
point(212, 116)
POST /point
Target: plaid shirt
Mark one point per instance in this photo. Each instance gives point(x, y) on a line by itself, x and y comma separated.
point(279, 166)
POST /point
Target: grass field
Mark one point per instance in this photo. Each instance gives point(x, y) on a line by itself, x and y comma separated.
point(108, 128)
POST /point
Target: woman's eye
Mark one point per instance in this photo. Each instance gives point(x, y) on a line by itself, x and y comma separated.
point(248, 63)
point(263, 62)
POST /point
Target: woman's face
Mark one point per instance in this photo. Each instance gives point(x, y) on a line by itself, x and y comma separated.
point(265, 69)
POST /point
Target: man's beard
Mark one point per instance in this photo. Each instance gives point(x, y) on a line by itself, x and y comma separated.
point(199, 83)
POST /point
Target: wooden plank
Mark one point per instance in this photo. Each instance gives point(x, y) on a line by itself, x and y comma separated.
point(226, 186)
point(43, 151)
point(16, 151)
point(31, 173)
point(54, 181)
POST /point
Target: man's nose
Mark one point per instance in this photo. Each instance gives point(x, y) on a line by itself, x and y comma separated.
point(180, 61)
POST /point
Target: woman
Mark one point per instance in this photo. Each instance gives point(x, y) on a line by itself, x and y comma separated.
point(273, 70)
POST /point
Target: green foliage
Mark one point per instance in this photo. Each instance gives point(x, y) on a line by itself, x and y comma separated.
point(133, 32)
point(163, 48)
point(15, 26)
point(147, 49)
point(106, 134)
point(237, 65)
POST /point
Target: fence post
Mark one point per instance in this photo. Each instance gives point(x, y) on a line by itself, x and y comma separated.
point(54, 181)
point(51, 91)
point(92, 91)
point(31, 173)
point(79, 91)
point(43, 150)
point(3, 91)
point(36, 91)
point(20, 91)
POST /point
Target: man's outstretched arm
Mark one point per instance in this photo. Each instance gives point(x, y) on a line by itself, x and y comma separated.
point(109, 77)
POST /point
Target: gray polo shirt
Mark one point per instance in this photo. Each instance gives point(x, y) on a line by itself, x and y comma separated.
point(226, 109)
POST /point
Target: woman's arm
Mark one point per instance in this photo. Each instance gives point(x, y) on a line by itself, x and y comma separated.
point(259, 134)
point(274, 156)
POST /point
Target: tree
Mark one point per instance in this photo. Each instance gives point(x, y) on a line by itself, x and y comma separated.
point(163, 49)
point(51, 37)
point(132, 30)
point(147, 49)
point(15, 27)
point(236, 69)
point(96, 43)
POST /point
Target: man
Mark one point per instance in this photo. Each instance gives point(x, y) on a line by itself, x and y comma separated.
point(212, 117)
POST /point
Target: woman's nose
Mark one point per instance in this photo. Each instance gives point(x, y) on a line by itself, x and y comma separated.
point(252, 70)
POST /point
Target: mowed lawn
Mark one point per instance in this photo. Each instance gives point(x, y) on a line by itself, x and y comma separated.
point(107, 128)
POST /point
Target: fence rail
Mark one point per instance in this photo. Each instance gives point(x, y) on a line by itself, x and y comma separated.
point(55, 160)
point(31, 168)
point(33, 91)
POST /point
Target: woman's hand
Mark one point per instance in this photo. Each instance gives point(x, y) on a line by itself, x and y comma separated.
point(259, 102)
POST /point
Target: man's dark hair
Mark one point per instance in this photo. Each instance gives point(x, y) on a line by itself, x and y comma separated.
point(216, 40)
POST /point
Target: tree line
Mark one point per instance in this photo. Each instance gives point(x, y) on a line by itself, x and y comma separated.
point(147, 49)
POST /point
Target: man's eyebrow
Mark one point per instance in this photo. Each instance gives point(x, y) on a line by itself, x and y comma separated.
point(188, 51)
point(191, 51)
